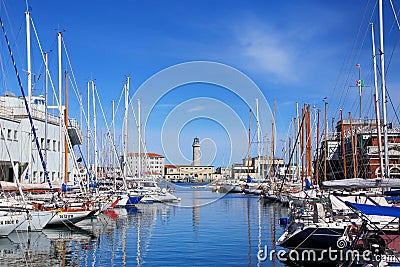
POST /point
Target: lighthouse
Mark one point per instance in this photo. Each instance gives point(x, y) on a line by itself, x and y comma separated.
point(196, 152)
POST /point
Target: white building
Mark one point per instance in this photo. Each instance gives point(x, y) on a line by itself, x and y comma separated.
point(151, 164)
point(16, 127)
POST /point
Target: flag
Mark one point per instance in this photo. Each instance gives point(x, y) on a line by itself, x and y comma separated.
point(360, 83)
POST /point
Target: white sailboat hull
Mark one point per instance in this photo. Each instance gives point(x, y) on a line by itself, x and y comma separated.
point(70, 217)
point(8, 223)
point(36, 221)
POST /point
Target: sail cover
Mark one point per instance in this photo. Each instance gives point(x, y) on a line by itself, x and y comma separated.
point(362, 183)
point(375, 210)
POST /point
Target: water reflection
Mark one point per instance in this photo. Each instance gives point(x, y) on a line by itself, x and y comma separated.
point(228, 232)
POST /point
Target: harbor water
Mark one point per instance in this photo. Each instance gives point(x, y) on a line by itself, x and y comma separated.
point(205, 229)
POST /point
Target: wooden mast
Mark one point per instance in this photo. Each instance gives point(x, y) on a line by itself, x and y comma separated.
point(317, 156)
point(352, 147)
point(308, 142)
point(66, 129)
point(343, 146)
point(302, 145)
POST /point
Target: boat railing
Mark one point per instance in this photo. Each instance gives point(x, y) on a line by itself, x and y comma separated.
point(19, 112)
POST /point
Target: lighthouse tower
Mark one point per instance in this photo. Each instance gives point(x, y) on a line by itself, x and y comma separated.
point(196, 152)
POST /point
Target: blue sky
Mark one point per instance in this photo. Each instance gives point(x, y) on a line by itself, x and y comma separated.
point(294, 51)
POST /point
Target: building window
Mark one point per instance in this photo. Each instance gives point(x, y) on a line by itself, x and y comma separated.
point(9, 134)
point(48, 144)
point(15, 135)
point(54, 145)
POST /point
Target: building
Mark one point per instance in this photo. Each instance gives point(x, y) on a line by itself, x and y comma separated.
point(189, 173)
point(196, 152)
point(151, 164)
point(262, 166)
point(194, 173)
point(17, 134)
point(352, 152)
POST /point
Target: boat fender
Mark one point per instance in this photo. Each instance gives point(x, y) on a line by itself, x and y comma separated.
point(291, 204)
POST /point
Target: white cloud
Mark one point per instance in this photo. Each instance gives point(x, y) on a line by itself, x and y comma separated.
point(267, 50)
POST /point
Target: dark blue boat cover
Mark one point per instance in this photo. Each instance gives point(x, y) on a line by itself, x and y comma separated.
point(375, 210)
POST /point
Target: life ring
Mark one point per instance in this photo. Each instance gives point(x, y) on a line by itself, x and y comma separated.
point(353, 228)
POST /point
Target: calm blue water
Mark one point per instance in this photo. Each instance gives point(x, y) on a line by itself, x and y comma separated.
point(205, 229)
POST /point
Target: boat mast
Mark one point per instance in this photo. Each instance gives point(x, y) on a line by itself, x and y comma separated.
point(343, 145)
point(377, 112)
point(113, 143)
point(139, 142)
point(383, 88)
point(94, 132)
point(29, 80)
point(258, 140)
point(60, 103)
point(88, 126)
point(317, 150)
point(46, 63)
point(125, 131)
point(66, 127)
point(248, 149)
point(353, 149)
point(297, 143)
point(325, 133)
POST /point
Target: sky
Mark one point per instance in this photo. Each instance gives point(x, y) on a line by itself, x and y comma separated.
point(198, 66)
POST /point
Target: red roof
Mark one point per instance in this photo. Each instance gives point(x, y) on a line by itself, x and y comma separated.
point(170, 166)
point(150, 155)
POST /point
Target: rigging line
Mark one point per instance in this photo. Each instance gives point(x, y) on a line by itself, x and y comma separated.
point(394, 110)
point(344, 67)
point(109, 134)
point(395, 15)
point(46, 174)
point(73, 82)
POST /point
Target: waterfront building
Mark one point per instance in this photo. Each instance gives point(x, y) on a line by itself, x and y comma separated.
point(263, 165)
point(151, 164)
point(189, 173)
point(194, 173)
point(16, 127)
point(354, 152)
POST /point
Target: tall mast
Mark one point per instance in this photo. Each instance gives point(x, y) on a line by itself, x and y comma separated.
point(94, 132)
point(383, 88)
point(297, 143)
point(258, 140)
point(317, 150)
point(343, 145)
point(272, 142)
point(325, 138)
point(60, 104)
point(139, 142)
point(88, 125)
point(248, 148)
point(29, 79)
point(353, 147)
point(378, 119)
point(113, 142)
point(308, 141)
point(66, 127)
point(125, 131)
point(46, 63)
